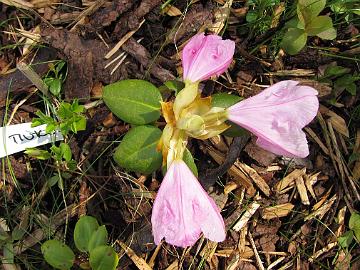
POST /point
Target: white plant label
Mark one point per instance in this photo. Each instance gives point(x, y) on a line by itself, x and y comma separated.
point(16, 138)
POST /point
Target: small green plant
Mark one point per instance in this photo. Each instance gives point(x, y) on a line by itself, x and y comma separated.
point(341, 79)
point(55, 77)
point(70, 118)
point(347, 238)
point(307, 23)
point(260, 14)
point(347, 7)
point(90, 238)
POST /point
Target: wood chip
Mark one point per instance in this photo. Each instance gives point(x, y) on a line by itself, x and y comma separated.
point(258, 180)
point(172, 11)
point(289, 180)
point(337, 121)
point(281, 210)
point(300, 185)
point(122, 41)
point(319, 213)
point(139, 262)
point(246, 216)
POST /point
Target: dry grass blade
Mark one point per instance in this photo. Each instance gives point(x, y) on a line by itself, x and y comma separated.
point(33, 77)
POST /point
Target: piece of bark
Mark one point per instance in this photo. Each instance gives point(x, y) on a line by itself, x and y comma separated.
point(16, 82)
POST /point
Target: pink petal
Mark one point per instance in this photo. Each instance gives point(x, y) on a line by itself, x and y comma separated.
point(205, 56)
point(277, 115)
point(182, 210)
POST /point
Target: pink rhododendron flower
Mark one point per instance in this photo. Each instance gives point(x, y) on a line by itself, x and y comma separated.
point(182, 209)
point(277, 115)
point(205, 56)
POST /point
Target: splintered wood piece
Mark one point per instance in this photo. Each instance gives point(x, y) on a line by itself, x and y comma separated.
point(139, 262)
point(275, 263)
point(289, 180)
point(221, 16)
point(322, 200)
point(309, 185)
point(172, 11)
point(337, 121)
point(281, 210)
point(151, 262)
point(209, 250)
point(317, 140)
point(319, 213)
point(219, 143)
point(122, 41)
point(238, 176)
point(258, 180)
point(173, 266)
point(258, 260)
point(322, 251)
point(341, 221)
point(246, 216)
point(300, 185)
point(292, 72)
point(230, 187)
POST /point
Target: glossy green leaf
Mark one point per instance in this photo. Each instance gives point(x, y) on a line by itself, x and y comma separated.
point(294, 40)
point(137, 151)
point(354, 224)
point(134, 101)
point(224, 100)
point(307, 10)
point(84, 229)
point(318, 25)
point(103, 258)
point(99, 238)
point(57, 254)
point(189, 160)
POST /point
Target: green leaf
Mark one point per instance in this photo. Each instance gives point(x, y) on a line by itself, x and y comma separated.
point(8, 254)
point(354, 224)
point(295, 23)
point(133, 101)
point(53, 180)
point(251, 16)
point(328, 34)
point(234, 131)
point(137, 151)
point(335, 71)
point(224, 100)
point(103, 258)
point(307, 10)
point(37, 153)
point(84, 229)
point(65, 151)
point(57, 254)
point(99, 238)
point(294, 40)
point(318, 25)
point(174, 85)
point(189, 160)
point(346, 239)
point(55, 87)
point(351, 88)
